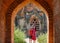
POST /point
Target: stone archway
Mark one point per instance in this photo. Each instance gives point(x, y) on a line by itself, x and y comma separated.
point(8, 39)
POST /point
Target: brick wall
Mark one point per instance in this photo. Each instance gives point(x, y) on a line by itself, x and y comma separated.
point(49, 6)
point(56, 11)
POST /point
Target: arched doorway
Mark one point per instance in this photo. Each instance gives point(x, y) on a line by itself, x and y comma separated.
point(37, 13)
point(12, 19)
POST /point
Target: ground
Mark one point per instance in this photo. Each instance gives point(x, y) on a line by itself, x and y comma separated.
point(27, 40)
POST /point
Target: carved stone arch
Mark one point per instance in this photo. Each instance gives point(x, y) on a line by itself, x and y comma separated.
point(9, 26)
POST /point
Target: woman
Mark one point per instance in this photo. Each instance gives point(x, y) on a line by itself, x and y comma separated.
point(32, 34)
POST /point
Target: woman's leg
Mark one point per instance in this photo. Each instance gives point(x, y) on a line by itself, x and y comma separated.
point(34, 41)
point(30, 40)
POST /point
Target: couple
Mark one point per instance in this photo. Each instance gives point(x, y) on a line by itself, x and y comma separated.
point(32, 34)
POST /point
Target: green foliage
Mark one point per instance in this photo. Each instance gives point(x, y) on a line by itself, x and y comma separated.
point(42, 38)
point(19, 36)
